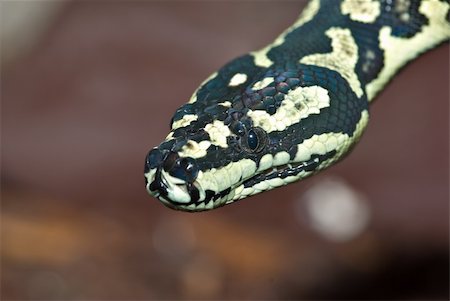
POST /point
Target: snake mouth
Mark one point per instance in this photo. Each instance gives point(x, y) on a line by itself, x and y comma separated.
point(181, 195)
point(184, 196)
point(178, 194)
point(284, 174)
point(172, 191)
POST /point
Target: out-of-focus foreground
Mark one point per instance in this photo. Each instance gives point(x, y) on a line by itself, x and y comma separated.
point(93, 87)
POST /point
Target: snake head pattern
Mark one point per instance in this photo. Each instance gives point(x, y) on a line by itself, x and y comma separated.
point(250, 129)
point(295, 107)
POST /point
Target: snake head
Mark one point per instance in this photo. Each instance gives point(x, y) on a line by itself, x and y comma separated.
point(248, 130)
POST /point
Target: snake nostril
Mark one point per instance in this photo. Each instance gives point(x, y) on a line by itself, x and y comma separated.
point(170, 160)
point(182, 168)
point(153, 159)
point(190, 168)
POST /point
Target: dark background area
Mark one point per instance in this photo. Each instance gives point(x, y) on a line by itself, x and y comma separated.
point(83, 106)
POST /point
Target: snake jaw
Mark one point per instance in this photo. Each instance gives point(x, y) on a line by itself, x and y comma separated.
point(280, 175)
point(172, 191)
point(172, 178)
point(177, 194)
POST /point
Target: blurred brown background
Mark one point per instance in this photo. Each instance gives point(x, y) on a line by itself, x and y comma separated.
point(90, 86)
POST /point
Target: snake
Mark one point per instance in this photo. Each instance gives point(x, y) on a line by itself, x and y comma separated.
point(282, 113)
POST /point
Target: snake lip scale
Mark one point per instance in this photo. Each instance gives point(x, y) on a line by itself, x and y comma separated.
point(293, 108)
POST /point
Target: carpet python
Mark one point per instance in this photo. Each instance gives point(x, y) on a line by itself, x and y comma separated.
point(283, 113)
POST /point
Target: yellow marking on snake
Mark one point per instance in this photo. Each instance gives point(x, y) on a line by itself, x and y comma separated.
point(237, 79)
point(308, 13)
point(278, 159)
point(281, 158)
point(219, 179)
point(225, 104)
point(297, 105)
point(397, 51)
point(342, 59)
point(263, 83)
point(266, 162)
point(194, 149)
point(185, 121)
point(365, 11)
point(218, 133)
point(169, 136)
point(174, 191)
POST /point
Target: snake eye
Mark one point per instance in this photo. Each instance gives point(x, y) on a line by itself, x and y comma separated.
point(252, 140)
point(255, 142)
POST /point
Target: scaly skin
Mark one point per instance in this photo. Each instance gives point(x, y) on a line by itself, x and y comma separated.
point(287, 111)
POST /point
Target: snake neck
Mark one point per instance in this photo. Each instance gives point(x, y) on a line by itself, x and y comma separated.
point(366, 41)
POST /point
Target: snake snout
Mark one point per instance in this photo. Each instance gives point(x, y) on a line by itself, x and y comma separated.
point(184, 168)
point(153, 160)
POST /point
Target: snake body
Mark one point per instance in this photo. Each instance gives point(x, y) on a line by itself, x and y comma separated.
point(293, 108)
